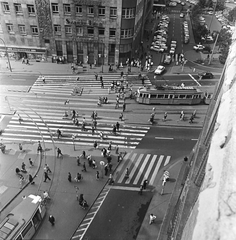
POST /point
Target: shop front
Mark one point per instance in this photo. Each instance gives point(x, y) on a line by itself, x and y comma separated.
point(24, 52)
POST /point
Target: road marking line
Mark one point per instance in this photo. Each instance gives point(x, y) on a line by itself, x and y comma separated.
point(141, 169)
point(194, 139)
point(164, 138)
point(19, 79)
point(167, 160)
point(128, 166)
point(149, 168)
point(156, 169)
point(134, 168)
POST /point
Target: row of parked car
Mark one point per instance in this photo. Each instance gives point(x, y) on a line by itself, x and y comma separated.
point(186, 32)
point(161, 35)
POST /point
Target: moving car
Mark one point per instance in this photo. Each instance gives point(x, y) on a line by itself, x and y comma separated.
point(206, 75)
point(172, 4)
point(159, 70)
point(181, 15)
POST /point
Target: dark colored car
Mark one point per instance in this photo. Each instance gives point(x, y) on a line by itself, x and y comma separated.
point(206, 75)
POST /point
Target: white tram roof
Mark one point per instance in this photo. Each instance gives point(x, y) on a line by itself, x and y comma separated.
point(168, 88)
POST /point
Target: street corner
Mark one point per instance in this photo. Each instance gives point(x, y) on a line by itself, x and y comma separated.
point(192, 55)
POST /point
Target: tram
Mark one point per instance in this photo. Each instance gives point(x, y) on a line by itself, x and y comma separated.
point(171, 95)
point(23, 221)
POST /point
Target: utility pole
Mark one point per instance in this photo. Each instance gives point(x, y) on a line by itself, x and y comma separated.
point(213, 49)
point(8, 60)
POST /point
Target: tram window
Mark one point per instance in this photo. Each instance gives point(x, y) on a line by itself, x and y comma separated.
point(36, 219)
point(166, 96)
point(176, 96)
point(189, 96)
point(160, 96)
point(182, 96)
point(153, 96)
point(27, 229)
point(141, 95)
point(145, 95)
point(171, 96)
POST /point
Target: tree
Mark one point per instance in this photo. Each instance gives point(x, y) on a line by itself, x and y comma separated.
point(224, 41)
point(232, 15)
point(201, 3)
point(196, 11)
point(220, 6)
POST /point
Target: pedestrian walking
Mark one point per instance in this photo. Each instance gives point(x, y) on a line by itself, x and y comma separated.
point(31, 162)
point(109, 146)
point(145, 183)
point(39, 149)
point(59, 133)
point(124, 106)
point(106, 169)
point(84, 154)
point(102, 84)
point(69, 177)
point(31, 179)
point(47, 168)
point(110, 180)
point(95, 123)
point(191, 119)
point(20, 118)
point(152, 218)
point(117, 149)
point(95, 144)
point(59, 153)
point(96, 76)
point(127, 173)
point(43, 79)
point(51, 219)
point(121, 117)
point(101, 79)
point(20, 147)
point(27, 61)
point(23, 60)
point(46, 177)
point(97, 175)
point(165, 117)
point(117, 126)
point(84, 168)
point(78, 160)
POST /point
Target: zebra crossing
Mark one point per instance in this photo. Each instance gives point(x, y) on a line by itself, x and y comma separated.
point(141, 167)
point(43, 112)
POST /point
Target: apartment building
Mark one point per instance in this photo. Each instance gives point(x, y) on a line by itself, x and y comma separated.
point(87, 31)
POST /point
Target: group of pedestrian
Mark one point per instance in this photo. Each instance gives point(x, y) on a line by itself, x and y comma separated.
point(26, 61)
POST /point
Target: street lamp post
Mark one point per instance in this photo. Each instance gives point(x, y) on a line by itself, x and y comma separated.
point(8, 60)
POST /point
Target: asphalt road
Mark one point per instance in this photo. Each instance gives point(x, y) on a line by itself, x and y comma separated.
point(18, 79)
point(120, 216)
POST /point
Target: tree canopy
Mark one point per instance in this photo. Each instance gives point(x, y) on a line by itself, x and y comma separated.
point(232, 15)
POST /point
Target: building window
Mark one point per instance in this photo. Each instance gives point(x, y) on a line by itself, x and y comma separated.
point(10, 27)
point(57, 29)
point(79, 31)
point(67, 9)
point(113, 12)
point(90, 30)
point(5, 7)
point(124, 48)
point(101, 11)
point(126, 33)
point(31, 9)
point(90, 10)
point(55, 8)
point(68, 29)
point(18, 8)
point(101, 31)
point(112, 33)
point(78, 9)
point(34, 30)
point(22, 29)
point(128, 13)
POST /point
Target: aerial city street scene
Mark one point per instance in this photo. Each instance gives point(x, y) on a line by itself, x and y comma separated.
point(117, 119)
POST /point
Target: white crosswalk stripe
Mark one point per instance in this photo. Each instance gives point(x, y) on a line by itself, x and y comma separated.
point(42, 111)
point(141, 167)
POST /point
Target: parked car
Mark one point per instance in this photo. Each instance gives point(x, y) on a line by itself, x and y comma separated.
point(167, 59)
point(172, 50)
point(172, 4)
point(182, 3)
point(206, 75)
point(159, 70)
point(181, 15)
point(156, 48)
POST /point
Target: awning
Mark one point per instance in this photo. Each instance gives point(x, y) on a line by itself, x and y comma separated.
point(25, 49)
point(159, 3)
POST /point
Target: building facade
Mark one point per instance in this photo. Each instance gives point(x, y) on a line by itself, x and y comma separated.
point(86, 31)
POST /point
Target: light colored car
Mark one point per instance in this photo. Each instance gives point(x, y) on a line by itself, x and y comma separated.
point(181, 15)
point(173, 41)
point(167, 59)
point(159, 70)
point(172, 50)
point(182, 3)
point(162, 45)
point(172, 4)
point(198, 47)
point(156, 48)
point(173, 45)
point(210, 12)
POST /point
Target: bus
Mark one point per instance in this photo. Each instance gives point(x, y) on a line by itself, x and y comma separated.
point(171, 95)
point(23, 221)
